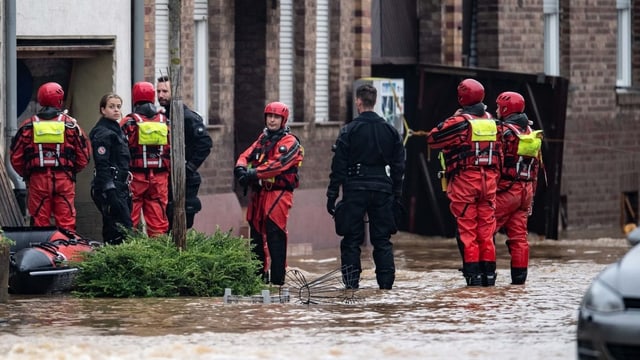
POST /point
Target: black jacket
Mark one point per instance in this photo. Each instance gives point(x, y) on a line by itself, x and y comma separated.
point(369, 155)
point(197, 141)
point(110, 154)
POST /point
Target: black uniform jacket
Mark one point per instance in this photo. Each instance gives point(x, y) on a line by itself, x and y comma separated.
point(369, 155)
point(197, 141)
point(111, 154)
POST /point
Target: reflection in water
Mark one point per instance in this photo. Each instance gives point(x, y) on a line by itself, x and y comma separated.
point(428, 314)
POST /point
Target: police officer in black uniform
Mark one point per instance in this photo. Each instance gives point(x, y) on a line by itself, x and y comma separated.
point(369, 164)
point(198, 145)
point(110, 185)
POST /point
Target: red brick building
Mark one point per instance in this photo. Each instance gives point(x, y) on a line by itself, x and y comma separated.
point(308, 53)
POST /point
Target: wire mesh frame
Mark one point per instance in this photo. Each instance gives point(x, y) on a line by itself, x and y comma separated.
point(327, 289)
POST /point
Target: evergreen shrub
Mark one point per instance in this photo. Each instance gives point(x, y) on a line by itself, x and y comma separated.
point(155, 267)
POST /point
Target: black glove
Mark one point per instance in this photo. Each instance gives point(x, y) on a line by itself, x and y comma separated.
point(244, 176)
point(331, 205)
point(239, 171)
point(249, 177)
point(243, 181)
point(252, 175)
point(111, 200)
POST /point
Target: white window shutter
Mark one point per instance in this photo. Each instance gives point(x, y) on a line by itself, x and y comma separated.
point(322, 61)
point(201, 61)
point(287, 62)
point(162, 38)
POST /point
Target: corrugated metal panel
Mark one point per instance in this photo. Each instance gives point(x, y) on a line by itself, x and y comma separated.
point(200, 9)
point(286, 55)
point(162, 37)
point(322, 61)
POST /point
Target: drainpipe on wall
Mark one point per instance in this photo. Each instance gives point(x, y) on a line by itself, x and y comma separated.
point(11, 108)
point(137, 43)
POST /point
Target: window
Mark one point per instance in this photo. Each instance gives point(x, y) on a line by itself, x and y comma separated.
point(286, 55)
point(201, 60)
point(322, 61)
point(162, 38)
point(623, 77)
point(551, 38)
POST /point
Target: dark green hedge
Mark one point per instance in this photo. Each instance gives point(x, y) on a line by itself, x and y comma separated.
point(155, 267)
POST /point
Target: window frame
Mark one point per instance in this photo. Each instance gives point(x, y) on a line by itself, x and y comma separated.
point(623, 41)
point(286, 73)
point(551, 37)
point(201, 60)
point(322, 61)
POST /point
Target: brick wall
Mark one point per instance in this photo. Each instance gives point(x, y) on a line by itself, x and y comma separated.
point(519, 45)
point(305, 59)
point(186, 47)
point(487, 38)
point(635, 48)
point(592, 130)
point(600, 149)
point(430, 33)
point(451, 33)
point(149, 39)
point(244, 51)
point(341, 72)
point(216, 171)
point(362, 40)
point(600, 160)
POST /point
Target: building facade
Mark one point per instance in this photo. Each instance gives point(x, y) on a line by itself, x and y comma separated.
point(238, 55)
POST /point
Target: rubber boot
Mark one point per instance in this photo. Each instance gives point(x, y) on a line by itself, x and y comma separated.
point(472, 274)
point(385, 280)
point(489, 275)
point(518, 276)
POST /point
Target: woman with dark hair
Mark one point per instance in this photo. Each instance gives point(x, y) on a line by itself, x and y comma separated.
point(110, 185)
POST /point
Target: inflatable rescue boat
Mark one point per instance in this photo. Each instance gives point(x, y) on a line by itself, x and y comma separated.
point(42, 259)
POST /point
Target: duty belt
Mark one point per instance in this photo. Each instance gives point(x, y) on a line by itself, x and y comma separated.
point(368, 170)
point(118, 175)
point(122, 176)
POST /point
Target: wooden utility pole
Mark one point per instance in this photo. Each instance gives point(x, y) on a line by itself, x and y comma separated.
point(177, 126)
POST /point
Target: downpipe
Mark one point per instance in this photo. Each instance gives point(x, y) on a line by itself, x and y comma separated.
point(20, 189)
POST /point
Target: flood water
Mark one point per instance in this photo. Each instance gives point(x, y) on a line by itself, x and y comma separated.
point(429, 313)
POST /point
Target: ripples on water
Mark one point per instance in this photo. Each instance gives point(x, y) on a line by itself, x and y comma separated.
point(428, 314)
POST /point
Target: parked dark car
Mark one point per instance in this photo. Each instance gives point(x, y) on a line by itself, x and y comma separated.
point(609, 316)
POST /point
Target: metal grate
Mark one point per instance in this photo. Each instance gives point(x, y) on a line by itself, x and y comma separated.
point(624, 351)
point(632, 303)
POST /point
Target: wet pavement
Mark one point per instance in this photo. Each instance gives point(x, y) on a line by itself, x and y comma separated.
point(428, 314)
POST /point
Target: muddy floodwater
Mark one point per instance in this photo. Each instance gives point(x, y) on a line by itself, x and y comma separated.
point(429, 314)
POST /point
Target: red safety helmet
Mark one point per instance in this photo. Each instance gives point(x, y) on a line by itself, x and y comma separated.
point(143, 92)
point(51, 94)
point(510, 102)
point(470, 92)
point(277, 108)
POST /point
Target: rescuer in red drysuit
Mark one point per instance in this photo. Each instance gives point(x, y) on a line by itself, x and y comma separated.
point(470, 143)
point(48, 150)
point(518, 179)
point(270, 168)
point(147, 131)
